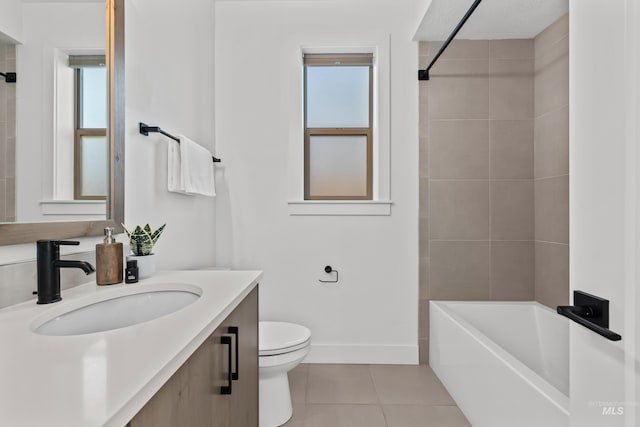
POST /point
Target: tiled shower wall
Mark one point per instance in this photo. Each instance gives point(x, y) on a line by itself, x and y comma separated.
point(479, 175)
point(476, 139)
point(551, 165)
point(7, 135)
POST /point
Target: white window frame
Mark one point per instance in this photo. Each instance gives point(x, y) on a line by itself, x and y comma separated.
point(63, 124)
point(381, 202)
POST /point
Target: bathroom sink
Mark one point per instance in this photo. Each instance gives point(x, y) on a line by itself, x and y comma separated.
point(117, 312)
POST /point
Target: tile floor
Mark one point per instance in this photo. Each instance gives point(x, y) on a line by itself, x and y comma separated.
point(370, 396)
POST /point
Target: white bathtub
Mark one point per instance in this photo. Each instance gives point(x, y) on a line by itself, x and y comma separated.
point(504, 363)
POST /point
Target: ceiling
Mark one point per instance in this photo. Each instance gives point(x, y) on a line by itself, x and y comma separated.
point(493, 19)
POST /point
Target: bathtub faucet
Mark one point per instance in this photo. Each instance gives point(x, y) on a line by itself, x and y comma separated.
point(590, 311)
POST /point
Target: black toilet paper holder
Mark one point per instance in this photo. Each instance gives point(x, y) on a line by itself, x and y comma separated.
point(328, 269)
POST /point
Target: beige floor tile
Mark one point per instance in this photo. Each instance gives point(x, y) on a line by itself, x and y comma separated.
point(298, 383)
point(340, 384)
point(409, 384)
point(297, 419)
point(344, 416)
point(424, 416)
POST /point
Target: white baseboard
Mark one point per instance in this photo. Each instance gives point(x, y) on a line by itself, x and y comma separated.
point(363, 354)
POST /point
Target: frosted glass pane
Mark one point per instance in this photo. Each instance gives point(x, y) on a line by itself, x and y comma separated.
point(338, 166)
point(94, 98)
point(338, 97)
point(94, 166)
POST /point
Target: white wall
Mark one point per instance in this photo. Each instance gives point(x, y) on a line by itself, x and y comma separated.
point(372, 314)
point(48, 27)
point(11, 20)
point(169, 82)
point(604, 209)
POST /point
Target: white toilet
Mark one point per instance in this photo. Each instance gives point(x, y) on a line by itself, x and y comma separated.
point(282, 346)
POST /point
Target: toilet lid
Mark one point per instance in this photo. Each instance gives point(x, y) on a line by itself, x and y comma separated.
point(281, 337)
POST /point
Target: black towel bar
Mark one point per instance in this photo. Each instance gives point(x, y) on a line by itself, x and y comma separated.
point(146, 129)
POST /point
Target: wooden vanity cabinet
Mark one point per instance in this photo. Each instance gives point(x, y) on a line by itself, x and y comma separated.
point(194, 397)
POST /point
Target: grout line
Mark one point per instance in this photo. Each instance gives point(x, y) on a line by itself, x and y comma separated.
point(467, 120)
point(483, 240)
point(546, 50)
point(375, 390)
point(484, 179)
point(436, 180)
point(554, 110)
point(551, 177)
point(490, 175)
point(379, 405)
point(306, 387)
point(487, 59)
point(551, 243)
point(373, 382)
point(522, 59)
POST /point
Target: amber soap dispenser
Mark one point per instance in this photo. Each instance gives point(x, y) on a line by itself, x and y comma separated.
point(109, 260)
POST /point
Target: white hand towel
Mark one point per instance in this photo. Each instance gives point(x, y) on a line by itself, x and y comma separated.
point(190, 168)
point(174, 175)
point(196, 165)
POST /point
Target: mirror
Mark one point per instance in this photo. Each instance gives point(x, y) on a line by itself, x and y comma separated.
point(46, 157)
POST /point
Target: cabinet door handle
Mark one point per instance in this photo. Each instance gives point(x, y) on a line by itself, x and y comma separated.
point(226, 389)
point(234, 330)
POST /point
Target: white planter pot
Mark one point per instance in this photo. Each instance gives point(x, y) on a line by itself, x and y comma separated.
point(146, 265)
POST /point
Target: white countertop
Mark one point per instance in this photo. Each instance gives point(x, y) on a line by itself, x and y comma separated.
point(105, 378)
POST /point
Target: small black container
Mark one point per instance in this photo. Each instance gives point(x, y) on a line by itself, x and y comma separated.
point(131, 274)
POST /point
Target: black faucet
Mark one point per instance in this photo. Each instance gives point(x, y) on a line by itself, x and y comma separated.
point(49, 265)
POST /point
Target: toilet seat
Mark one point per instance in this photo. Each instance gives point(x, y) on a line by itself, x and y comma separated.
point(277, 338)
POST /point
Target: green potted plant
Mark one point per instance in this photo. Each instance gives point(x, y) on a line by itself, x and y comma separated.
point(141, 242)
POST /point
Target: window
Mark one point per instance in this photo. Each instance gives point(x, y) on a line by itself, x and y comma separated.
point(374, 52)
point(91, 148)
point(338, 116)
